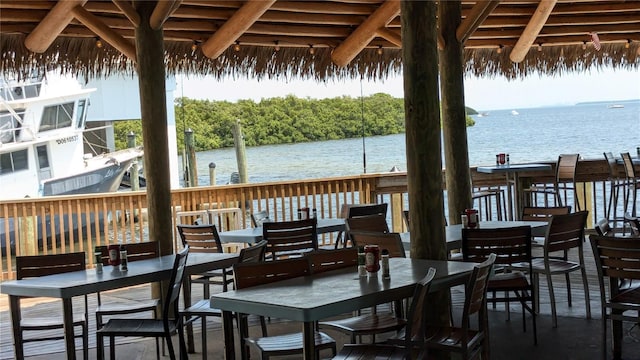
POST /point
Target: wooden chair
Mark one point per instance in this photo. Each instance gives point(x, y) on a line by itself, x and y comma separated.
point(565, 181)
point(259, 217)
point(327, 260)
point(372, 323)
point(411, 338)
point(511, 246)
point(290, 238)
point(564, 233)
point(603, 228)
point(170, 323)
point(350, 211)
point(135, 252)
point(253, 274)
point(202, 309)
point(205, 239)
point(542, 213)
point(42, 265)
point(616, 182)
point(465, 340)
point(634, 224)
point(619, 260)
point(632, 184)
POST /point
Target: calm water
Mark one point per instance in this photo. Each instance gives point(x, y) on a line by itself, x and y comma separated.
point(534, 135)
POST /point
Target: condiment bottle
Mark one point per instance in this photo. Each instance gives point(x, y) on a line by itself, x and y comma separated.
point(372, 258)
point(315, 213)
point(98, 255)
point(114, 255)
point(123, 258)
point(362, 271)
point(385, 263)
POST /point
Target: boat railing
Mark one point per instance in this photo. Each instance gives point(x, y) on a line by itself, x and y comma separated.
point(14, 90)
point(81, 222)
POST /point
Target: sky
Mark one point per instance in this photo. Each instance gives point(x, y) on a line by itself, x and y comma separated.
point(481, 94)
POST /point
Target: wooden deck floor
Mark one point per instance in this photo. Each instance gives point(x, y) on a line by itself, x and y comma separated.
point(41, 307)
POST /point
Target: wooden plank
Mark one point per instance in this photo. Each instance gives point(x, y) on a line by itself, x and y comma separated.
point(532, 30)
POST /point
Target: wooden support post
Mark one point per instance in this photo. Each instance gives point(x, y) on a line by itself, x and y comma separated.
point(241, 154)
point(456, 156)
point(192, 167)
point(134, 178)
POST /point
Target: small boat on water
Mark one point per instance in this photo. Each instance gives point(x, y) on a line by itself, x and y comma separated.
point(615, 106)
point(513, 112)
point(42, 144)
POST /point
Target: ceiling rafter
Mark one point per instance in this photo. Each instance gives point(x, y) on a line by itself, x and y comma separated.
point(51, 26)
point(106, 33)
point(475, 18)
point(128, 11)
point(532, 30)
point(235, 26)
point(162, 12)
point(366, 32)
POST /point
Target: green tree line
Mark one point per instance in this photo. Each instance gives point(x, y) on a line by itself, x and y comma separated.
point(280, 120)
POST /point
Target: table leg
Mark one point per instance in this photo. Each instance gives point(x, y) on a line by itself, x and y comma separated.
point(616, 335)
point(14, 306)
point(308, 334)
point(67, 315)
point(517, 201)
point(509, 197)
point(229, 343)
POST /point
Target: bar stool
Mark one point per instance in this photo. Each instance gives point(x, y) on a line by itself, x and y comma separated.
point(616, 182)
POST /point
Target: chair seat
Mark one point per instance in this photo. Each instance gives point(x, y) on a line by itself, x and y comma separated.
point(627, 297)
point(127, 308)
point(373, 351)
point(289, 344)
point(46, 323)
point(201, 308)
point(555, 266)
point(135, 327)
point(448, 337)
point(516, 280)
point(366, 324)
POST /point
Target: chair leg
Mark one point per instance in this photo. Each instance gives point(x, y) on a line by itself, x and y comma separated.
point(172, 353)
point(587, 300)
point(552, 297)
point(203, 319)
point(112, 348)
point(568, 281)
point(99, 347)
point(604, 333)
point(85, 340)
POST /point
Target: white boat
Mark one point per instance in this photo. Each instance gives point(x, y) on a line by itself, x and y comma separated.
point(41, 143)
point(42, 149)
point(615, 106)
point(513, 112)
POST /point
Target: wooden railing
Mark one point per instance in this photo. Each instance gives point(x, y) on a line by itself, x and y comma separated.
point(81, 222)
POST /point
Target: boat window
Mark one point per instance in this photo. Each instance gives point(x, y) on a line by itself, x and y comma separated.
point(81, 113)
point(13, 161)
point(56, 117)
point(43, 158)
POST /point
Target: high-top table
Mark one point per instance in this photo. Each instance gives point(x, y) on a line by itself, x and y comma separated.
point(254, 235)
point(78, 283)
point(315, 297)
point(512, 174)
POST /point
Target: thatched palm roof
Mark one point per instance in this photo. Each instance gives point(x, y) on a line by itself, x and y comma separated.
point(303, 38)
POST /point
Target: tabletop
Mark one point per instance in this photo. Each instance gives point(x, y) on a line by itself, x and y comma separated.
point(88, 281)
point(316, 297)
point(508, 168)
point(254, 235)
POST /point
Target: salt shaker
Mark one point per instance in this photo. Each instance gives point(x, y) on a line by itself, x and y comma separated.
point(314, 213)
point(98, 255)
point(362, 271)
point(385, 263)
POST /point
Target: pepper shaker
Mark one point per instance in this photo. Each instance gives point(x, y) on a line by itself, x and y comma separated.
point(385, 264)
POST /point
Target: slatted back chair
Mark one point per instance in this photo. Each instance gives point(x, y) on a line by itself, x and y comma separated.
point(290, 238)
point(170, 323)
point(465, 340)
point(205, 239)
point(542, 213)
point(619, 260)
point(632, 184)
point(389, 241)
point(42, 265)
point(634, 224)
point(409, 341)
point(616, 182)
point(135, 252)
point(259, 217)
point(511, 246)
point(253, 274)
point(350, 211)
point(374, 223)
point(327, 260)
point(564, 181)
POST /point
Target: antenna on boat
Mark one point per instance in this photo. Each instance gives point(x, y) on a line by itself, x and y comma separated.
point(364, 151)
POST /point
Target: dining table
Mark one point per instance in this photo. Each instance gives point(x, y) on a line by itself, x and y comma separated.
point(315, 297)
point(512, 174)
point(66, 286)
point(254, 235)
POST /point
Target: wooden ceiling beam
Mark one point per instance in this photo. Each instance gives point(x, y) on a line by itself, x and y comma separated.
point(532, 30)
point(366, 32)
point(129, 11)
point(106, 33)
point(162, 12)
point(235, 26)
point(391, 36)
point(475, 18)
point(51, 26)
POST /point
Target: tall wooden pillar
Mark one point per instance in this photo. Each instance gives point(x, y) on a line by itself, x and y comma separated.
point(456, 154)
point(424, 159)
point(152, 77)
